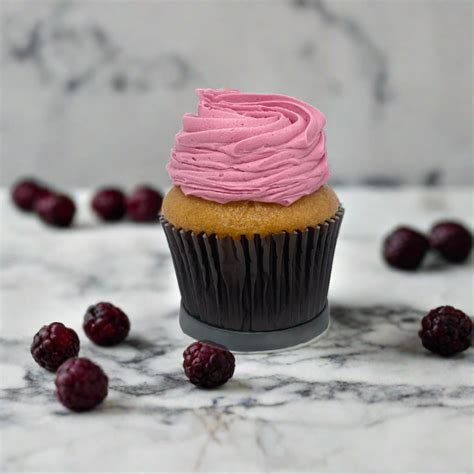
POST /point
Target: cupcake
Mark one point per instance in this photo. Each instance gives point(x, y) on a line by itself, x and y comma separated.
point(250, 221)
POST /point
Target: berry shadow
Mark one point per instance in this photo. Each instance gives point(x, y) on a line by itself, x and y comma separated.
point(139, 343)
point(410, 345)
point(434, 263)
point(91, 225)
point(113, 407)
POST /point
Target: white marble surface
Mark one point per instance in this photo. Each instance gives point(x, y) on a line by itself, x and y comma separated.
point(94, 91)
point(366, 398)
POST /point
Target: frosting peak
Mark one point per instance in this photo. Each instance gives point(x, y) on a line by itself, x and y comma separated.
point(256, 147)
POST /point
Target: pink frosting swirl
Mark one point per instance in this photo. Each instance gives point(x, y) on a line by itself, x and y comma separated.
point(257, 147)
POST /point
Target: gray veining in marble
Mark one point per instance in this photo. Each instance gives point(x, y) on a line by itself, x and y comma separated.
point(365, 398)
point(94, 91)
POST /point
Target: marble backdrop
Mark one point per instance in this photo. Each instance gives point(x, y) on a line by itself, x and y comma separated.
point(93, 92)
point(366, 398)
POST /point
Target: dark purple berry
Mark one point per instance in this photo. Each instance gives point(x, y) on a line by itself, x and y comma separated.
point(109, 204)
point(405, 248)
point(144, 204)
point(207, 364)
point(42, 193)
point(81, 384)
point(54, 344)
point(452, 240)
point(446, 331)
point(56, 209)
point(105, 324)
point(25, 193)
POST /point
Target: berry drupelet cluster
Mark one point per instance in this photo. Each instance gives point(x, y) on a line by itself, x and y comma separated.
point(142, 205)
point(53, 208)
point(54, 344)
point(405, 248)
point(80, 384)
point(446, 331)
point(452, 240)
point(105, 324)
point(56, 210)
point(110, 204)
point(207, 364)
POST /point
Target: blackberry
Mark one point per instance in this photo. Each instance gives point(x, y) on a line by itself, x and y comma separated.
point(405, 248)
point(105, 324)
point(144, 204)
point(81, 384)
point(53, 344)
point(207, 364)
point(56, 210)
point(452, 240)
point(26, 193)
point(446, 331)
point(109, 204)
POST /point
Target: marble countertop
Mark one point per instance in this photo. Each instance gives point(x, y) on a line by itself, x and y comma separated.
point(365, 398)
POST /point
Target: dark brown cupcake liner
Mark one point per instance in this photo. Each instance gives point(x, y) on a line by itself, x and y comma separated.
point(269, 283)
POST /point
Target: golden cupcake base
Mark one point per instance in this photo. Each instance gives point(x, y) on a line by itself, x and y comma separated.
point(248, 218)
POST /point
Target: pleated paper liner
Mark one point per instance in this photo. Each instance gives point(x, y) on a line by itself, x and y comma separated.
point(262, 284)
